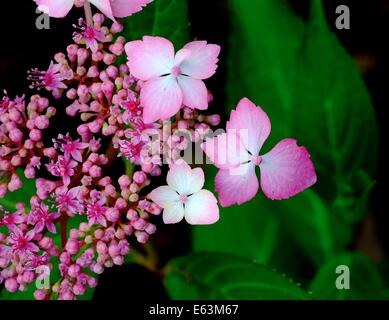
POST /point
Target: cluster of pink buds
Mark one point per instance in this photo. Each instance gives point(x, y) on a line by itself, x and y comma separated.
point(21, 146)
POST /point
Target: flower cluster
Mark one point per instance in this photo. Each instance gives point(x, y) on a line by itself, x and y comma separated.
point(21, 126)
point(147, 112)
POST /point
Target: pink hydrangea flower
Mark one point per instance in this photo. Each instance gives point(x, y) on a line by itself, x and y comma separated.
point(91, 35)
point(63, 168)
point(52, 79)
point(95, 210)
point(184, 197)
point(66, 200)
point(70, 148)
point(21, 242)
point(10, 220)
point(41, 217)
point(285, 171)
point(111, 8)
point(171, 80)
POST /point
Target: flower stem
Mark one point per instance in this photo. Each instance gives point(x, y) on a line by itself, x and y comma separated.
point(88, 13)
point(64, 225)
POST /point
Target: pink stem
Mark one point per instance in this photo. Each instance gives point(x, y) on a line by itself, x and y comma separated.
point(88, 13)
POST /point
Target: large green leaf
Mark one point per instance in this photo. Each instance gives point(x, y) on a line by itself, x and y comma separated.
point(365, 280)
point(251, 230)
point(165, 18)
point(222, 276)
point(312, 90)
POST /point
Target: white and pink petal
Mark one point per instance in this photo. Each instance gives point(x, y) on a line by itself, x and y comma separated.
point(237, 185)
point(202, 62)
point(286, 170)
point(161, 99)
point(126, 8)
point(226, 150)
point(195, 93)
point(201, 208)
point(185, 180)
point(149, 58)
point(251, 124)
point(174, 213)
point(104, 6)
point(55, 8)
point(164, 196)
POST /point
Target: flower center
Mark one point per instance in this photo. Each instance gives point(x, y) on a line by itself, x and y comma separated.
point(183, 198)
point(176, 71)
point(257, 160)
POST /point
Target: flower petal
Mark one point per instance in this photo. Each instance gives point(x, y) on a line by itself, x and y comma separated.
point(161, 98)
point(236, 186)
point(125, 8)
point(104, 6)
point(174, 213)
point(225, 150)
point(202, 208)
point(150, 58)
point(252, 123)
point(184, 180)
point(195, 93)
point(55, 8)
point(202, 63)
point(286, 170)
point(164, 196)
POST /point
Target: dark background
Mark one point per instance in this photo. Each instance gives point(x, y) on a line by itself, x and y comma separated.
point(24, 47)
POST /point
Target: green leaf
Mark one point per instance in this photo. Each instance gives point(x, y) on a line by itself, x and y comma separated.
point(164, 18)
point(251, 230)
point(223, 276)
point(312, 90)
point(310, 87)
point(315, 227)
point(365, 280)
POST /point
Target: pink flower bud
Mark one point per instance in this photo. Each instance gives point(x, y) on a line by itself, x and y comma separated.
point(41, 122)
point(93, 72)
point(11, 285)
point(150, 228)
point(16, 135)
point(73, 234)
point(74, 270)
point(72, 246)
point(72, 52)
point(95, 171)
point(109, 59)
point(116, 27)
point(139, 224)
point(140, 177)
point(120, 204)
point(40, 294)
point(101, 247)
point(15, 183)
point(141, 236)
point(118, 260)
point(82, 56)
point(112, 214)
point(35, 135)
point(124, 181)
point(46, 243)
point(132, 214)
